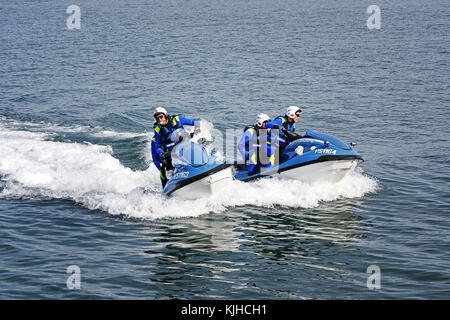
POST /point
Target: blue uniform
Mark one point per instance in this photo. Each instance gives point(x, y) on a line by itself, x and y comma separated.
point(256, 149)
point(161, 142)
point(282, 121)
point(155, 156)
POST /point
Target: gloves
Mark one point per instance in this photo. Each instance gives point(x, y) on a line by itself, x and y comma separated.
point(196, 129)
point(279, 128)
point(164, 156)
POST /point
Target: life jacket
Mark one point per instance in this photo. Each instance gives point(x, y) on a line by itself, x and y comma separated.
point(258, 149)
point(286, 124)
point(252, 129)
point(284, 139)
point(255, 140)
point(173, 124)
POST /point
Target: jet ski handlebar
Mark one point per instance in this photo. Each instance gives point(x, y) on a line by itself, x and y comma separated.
point(181, 137)
point(196, 131)
point(292, 135)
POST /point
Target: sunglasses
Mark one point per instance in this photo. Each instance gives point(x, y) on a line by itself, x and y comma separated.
point(297, 114)
point(161, 116)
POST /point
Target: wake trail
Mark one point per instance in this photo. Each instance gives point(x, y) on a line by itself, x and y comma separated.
point(32, 166)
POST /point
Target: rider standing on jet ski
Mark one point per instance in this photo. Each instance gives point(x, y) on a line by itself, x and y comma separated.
point(285, 123)
point(256, 147)
point(168, 132)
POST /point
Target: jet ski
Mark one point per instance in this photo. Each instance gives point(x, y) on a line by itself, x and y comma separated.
point(313, 157)
point(197, 172)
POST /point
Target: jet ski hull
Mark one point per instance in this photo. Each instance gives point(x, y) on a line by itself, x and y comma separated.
point(203, 185)
point(328, 170)
point(197, 172)
point(315, 157)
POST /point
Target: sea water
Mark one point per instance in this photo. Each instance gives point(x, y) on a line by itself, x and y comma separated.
point(78, 186)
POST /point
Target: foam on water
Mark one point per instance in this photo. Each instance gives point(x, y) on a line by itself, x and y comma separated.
point(53, 129)
point(33, 166)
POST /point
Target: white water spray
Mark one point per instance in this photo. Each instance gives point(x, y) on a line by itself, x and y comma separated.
point(34, 166)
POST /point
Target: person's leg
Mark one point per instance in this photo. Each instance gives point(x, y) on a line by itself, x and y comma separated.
point(252, 164)
point(163, 172)
point(270, 158)
point(162, 176)
point(271, 163)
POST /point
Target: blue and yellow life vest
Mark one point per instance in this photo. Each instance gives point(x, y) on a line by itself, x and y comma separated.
point(286, 124)
point(172, 125)
point(255, 143)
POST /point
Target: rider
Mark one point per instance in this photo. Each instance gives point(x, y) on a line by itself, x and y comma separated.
point(285, 123)
point(168, 132)
point(255, 145)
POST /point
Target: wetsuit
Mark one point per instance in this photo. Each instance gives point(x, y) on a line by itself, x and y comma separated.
point(161, 142)
point(256, 149)
point(282, 121)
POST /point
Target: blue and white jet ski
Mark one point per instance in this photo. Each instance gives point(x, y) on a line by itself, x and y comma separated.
point(313, 157)
point(197, 173)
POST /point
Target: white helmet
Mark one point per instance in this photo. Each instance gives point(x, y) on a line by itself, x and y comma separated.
point(292, 110)
point(261, 118)
point(160, 110)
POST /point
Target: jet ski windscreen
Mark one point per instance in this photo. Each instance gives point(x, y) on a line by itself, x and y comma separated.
point(191, 153)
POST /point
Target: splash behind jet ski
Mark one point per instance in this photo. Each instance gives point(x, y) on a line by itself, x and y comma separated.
point(197, 172)
point(313, 157)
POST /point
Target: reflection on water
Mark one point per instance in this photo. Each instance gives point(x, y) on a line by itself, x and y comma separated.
point(222, 255)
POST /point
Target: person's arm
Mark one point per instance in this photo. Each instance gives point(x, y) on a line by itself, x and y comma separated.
point(158, 145)
point(155, 156)
point(244, 143)
point(275, 124)
point(188, 122)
